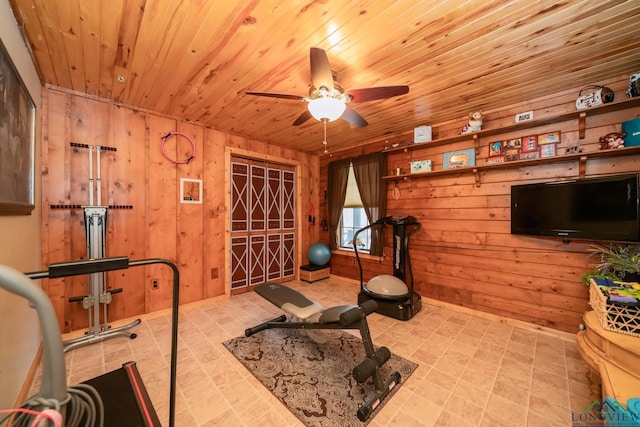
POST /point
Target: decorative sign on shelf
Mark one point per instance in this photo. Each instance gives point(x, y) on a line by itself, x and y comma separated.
point(421, 166)
point(422, 134)
point(459, 159)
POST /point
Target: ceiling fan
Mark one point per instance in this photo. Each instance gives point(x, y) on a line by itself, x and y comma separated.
point(327, 101)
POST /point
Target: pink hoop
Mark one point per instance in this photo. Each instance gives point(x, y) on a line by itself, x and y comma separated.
point(193, 147)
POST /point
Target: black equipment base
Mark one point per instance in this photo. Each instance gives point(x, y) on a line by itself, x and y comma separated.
point(125, 398)
point(401, 310)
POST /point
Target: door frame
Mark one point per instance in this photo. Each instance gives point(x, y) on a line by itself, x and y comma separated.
point(232, 151)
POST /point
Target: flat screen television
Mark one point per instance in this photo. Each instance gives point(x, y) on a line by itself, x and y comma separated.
point(603, 208)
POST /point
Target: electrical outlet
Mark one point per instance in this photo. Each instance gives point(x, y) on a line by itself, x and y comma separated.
point(154, 284)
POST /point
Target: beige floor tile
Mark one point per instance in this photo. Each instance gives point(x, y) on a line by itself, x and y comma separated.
point(472, 371)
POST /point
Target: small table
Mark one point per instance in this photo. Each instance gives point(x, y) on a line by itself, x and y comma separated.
point(613, 359)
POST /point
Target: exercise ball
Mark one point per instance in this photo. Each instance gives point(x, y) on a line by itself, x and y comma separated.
point(319, 254)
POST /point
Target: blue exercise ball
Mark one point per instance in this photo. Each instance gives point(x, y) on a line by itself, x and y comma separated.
point(319, 254)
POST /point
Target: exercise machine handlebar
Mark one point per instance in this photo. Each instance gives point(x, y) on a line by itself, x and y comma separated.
point(74, 268)
point(77, 268)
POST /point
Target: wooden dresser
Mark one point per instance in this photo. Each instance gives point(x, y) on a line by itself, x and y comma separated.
point(613, 358)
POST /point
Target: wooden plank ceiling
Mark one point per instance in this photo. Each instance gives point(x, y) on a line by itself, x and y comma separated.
point(195, 59)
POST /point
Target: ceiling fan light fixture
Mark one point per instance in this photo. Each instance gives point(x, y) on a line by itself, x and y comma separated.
point(326, 109)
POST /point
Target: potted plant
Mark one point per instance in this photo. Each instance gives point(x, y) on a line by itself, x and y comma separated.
point(620, 262)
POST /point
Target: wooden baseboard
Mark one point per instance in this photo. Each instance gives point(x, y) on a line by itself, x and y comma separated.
point(488, 316)
point(501, 319)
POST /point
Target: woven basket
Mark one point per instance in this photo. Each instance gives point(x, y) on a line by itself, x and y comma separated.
point(614, 317)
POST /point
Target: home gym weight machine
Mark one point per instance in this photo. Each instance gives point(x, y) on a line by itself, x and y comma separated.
point(98, 296)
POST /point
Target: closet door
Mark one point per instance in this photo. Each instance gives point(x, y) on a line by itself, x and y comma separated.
point(262, 223)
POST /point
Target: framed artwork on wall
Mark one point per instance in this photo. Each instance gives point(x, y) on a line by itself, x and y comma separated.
point(17, 141)
point(191, 191)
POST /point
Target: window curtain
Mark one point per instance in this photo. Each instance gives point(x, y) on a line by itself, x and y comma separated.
point(338, 175)
point(369, 170)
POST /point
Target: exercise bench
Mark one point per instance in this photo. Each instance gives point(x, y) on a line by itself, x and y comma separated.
point(310, 315)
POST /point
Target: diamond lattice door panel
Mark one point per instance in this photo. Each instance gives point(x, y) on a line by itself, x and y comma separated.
point(262, 223)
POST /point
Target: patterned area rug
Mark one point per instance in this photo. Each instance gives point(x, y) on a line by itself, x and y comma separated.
point(314, 380)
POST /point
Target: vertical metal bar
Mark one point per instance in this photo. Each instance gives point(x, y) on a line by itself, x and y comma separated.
point(90, 149)
point(99, 182)
point(96, 278)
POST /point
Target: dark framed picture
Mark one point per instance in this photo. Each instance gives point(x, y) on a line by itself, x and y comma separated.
point(530, 143)
point(17, 141)
point(512, 143)
point(495, 148)
point(511, 154)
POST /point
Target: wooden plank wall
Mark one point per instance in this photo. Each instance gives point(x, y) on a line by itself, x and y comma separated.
point(464, 253)
point(137, 174)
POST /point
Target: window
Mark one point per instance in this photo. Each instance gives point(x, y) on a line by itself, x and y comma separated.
point(371, 196)
point(354, 218)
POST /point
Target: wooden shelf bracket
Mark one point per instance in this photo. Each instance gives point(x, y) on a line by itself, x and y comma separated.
point(476, 175)
point(582, 124)
point(582, 167)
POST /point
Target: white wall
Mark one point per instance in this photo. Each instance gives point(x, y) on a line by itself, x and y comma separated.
point(20, 240)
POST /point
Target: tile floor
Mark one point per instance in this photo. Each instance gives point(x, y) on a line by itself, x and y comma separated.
point(472, 371)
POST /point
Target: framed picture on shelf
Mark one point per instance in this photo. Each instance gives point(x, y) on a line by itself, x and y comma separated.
point(529, 155)
point(511, 154)
point(547, 150)
point(549, 138)
point(512, 143)
point(530, 143)
point(459, 159)
point(17, 141)
point(495, 148)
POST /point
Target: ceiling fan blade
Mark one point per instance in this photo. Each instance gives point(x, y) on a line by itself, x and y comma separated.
point(276, 95)
point(354, 118)
point(321, 74)
point(372, 93)
point(306, 115)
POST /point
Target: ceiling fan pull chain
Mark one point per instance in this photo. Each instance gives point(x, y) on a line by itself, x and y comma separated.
point(193, 147)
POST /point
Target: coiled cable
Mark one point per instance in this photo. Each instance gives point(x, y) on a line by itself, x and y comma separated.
point(82, 408)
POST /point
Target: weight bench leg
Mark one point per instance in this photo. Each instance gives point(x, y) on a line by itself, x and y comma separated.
point(266, 325)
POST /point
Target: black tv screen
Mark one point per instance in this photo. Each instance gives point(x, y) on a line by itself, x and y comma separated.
point(605, 208)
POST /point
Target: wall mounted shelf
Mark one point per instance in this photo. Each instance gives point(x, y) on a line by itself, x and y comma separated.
point(580, 115)
point(582, 158)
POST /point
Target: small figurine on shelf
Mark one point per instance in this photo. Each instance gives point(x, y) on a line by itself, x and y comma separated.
point(474, 124)
point(612, 140)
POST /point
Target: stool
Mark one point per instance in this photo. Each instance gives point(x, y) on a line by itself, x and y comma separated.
point(311, 273)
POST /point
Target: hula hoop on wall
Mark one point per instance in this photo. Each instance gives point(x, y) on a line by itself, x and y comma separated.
point(193, 147)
